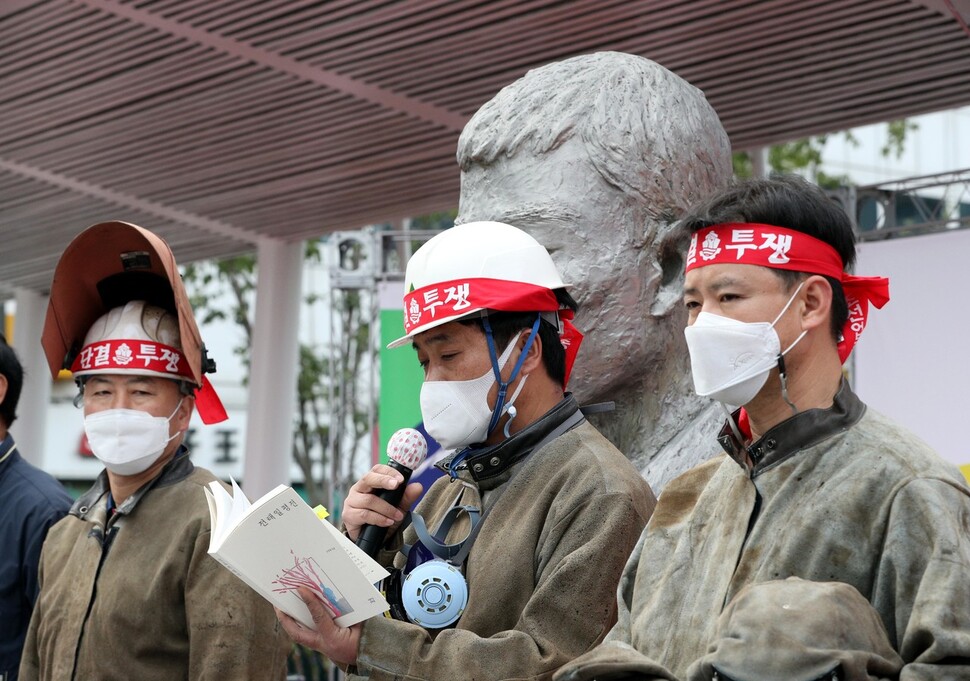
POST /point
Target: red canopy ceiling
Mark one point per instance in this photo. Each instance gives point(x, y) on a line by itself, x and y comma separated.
point(218, 122)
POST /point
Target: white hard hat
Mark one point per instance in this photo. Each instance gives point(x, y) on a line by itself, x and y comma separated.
point(135, 338)
point(473, 267)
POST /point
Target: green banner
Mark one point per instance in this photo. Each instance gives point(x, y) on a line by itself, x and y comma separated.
point(400, 376)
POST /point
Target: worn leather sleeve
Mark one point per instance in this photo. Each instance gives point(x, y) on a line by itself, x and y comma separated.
point(30, 658)
point(925, 571)
point(615, 657)
point(571, 608)
point(233, 631)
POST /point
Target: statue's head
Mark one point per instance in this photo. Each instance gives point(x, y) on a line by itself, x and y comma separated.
point(597, 157)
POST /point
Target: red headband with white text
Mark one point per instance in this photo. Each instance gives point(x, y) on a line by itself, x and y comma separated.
point(453, 300)
point(787, 249)
point(149, 358)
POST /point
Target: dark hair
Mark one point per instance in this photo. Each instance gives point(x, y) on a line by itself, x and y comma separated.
point(11, 368)
point(785, 201)
point(505, 325)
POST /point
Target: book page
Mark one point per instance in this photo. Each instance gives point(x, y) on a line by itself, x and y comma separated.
point(373, 570)
point(240, 504)
point(219, 504)
point(279, 545)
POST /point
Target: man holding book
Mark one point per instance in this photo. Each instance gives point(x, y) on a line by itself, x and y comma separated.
point(127, 588)
point(545, 509)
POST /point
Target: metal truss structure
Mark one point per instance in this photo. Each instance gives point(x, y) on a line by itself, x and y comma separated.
point(359, 262)
point(910, 207)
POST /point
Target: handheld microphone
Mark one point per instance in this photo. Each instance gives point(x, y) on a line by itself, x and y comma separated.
point(405, 450)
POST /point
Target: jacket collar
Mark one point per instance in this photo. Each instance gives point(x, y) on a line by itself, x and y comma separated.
point(492, 466)
point(804, 429)
point(7, 457)
point(179, 468)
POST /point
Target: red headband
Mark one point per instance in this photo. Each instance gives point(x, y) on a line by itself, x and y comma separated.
point(786, 249)
point(457, 298)
point(122, 355)
point(149, 358)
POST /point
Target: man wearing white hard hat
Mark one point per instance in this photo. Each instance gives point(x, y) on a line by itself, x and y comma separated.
point(128, 590)
point(530, 529)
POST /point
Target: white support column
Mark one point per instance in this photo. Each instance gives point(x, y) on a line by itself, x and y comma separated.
point(759, 162)
point(273, 367)
point(30, 427)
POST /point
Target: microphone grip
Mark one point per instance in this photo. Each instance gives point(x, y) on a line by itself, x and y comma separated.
point(372, 537)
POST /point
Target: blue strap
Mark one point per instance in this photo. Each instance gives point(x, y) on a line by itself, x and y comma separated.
point(435, 543)
point(503, 387)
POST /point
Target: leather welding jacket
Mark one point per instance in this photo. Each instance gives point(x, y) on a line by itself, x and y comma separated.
point(838, 494)
point(135, 595)
point(543, 570)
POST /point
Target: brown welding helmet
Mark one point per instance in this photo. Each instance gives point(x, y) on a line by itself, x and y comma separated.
point(106, 266)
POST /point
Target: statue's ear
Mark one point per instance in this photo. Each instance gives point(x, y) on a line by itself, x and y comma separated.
point(670, 247)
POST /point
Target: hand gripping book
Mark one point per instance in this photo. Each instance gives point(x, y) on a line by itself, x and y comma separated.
point(278, 543)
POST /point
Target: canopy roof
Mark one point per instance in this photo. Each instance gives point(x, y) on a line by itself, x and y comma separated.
point(217, 123)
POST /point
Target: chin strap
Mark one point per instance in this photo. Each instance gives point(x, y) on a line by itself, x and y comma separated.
point(510, 409)
point(503, 386)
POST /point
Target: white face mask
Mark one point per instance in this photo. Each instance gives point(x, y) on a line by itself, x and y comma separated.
point(456, 413)
point(128, 441)
point(730, 360)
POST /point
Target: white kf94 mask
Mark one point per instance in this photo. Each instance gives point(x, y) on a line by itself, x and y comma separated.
point(730, 360)
point(128, 441)
point(456, 413)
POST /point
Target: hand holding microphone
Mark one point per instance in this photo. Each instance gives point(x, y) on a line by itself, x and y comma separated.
point(376, 502)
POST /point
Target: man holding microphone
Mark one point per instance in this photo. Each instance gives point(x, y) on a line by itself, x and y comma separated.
point(523, 541)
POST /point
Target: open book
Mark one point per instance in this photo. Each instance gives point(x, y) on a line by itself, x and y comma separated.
point(278, 543)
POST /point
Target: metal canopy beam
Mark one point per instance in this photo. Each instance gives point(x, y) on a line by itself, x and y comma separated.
point(284, 64)
point(218, 123)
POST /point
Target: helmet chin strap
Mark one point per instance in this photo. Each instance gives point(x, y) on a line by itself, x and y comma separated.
point(503, 386)
point(510, 409)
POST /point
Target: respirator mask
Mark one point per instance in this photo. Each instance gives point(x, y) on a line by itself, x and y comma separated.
point(431, 590)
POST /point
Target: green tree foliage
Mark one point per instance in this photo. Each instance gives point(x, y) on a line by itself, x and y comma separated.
point(331, 413)
point(206, 281)
point(797, 156)
point(443, 219)
point(804, 156)
point(896, 137)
